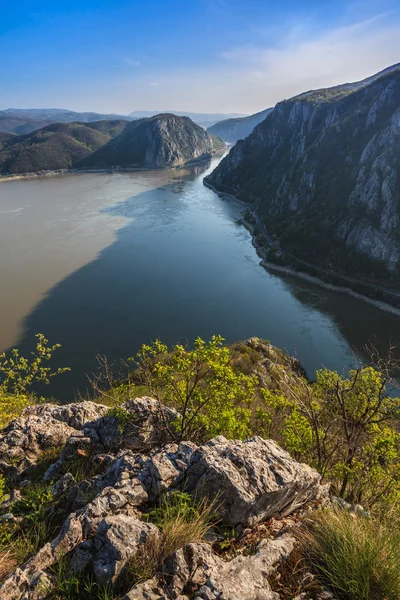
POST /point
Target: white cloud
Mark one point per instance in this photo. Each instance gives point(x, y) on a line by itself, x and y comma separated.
point(250, 78)
point(244, 79)
point(133, 63)
point(341, 55)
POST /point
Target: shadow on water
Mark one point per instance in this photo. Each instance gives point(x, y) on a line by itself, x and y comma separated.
point(358, 322)
point(176, 272)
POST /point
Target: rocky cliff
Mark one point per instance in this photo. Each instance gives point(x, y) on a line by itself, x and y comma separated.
point(323, 171)
point(102, 515)
point(232, 130)
point(159, 142)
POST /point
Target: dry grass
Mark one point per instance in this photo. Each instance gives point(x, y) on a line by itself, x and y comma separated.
point(358, 557)
point(182, 521)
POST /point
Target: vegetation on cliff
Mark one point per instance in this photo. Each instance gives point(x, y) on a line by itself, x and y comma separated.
point(158, 142)
point(322, 171)
point(232, 130)
point(345, 426)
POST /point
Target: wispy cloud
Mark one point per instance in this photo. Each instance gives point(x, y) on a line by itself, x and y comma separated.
point(132, 63)
point(343, 54)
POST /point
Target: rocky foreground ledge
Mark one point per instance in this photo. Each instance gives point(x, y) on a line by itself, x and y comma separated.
point(256, 482)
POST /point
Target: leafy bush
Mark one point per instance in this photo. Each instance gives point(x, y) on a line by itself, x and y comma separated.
point(40, 520)
point(202, 385)
point(357, 557)
point(344, 426)
point(18, 374)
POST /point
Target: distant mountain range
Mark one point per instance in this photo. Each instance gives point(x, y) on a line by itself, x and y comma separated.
point(26, 120)
point(323, 171)
point(232, 130)
point(157, 142)
point(203, 119)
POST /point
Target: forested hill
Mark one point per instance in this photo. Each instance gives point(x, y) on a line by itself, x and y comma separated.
point(232, 130)
point(323, 170)
point(159, 142)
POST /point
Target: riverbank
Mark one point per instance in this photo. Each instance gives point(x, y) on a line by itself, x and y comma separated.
point(288, 270)
point(33, 175)
point(191, 163)
point(223, 194)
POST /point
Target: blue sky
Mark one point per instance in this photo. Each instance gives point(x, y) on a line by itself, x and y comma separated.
point(195, 55)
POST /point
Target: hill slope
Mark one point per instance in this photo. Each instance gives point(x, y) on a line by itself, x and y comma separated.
point(232, 130)
point(324, 172)
point(57, 146)
point(22, 121)
point(157, 142)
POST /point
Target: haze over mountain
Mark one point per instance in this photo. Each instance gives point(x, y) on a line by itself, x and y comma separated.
point(26, 120)
point(157, 142)
point(203, 119)
point(232, 130)
point(323, 171)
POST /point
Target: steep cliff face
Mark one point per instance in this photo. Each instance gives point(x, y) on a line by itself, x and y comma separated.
point(157, 142)
point(232, 130)
point(324, 172)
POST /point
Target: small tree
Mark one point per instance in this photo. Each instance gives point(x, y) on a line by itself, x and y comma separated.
point(346, 427)
point(18, 374)
point(201, 384)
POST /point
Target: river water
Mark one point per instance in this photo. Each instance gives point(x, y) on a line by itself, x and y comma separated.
point(106, 262)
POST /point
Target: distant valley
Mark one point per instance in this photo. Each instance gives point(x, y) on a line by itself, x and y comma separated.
point(232, 130)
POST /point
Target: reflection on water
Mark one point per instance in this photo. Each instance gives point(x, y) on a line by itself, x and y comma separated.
point(108, 262)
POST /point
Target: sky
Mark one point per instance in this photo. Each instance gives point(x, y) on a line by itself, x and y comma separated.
point(226, 56)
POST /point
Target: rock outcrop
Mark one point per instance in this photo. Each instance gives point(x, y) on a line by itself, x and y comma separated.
point(158, 142)
point(104, 528)
point(323, 172)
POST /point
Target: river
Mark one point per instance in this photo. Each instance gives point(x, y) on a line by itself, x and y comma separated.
point(105, 262)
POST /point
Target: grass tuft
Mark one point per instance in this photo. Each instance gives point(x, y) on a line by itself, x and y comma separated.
point(356, 556)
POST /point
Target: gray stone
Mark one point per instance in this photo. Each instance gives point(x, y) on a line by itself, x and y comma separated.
point(118, 538)
point(253, 480)
point(146, 427)
point(148, 590)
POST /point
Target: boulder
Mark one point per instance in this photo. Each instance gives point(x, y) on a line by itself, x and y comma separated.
point(166, 468)
point(148, 590)
point(196, 571)
point(118, 538)
point(145, 427)
point(252, 480)
point(39, 428)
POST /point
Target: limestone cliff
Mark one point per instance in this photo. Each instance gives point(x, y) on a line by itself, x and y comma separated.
point(157, 142)
point(323, 171)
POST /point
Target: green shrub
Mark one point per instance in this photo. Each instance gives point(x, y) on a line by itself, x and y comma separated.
point(40, 521)
point(201, 383)
point(18, 374)
point(356, 556)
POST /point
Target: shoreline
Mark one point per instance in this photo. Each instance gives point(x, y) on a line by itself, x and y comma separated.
point(384, 306)
point(52, 173)
point(224, 195)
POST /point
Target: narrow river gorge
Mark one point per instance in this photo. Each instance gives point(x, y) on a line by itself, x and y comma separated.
point(105, 262)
